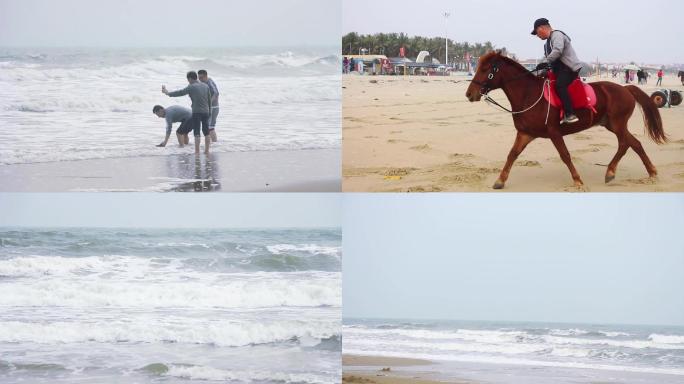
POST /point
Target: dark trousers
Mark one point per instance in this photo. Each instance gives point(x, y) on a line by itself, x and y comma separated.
point(564, 77)
point(197, 119)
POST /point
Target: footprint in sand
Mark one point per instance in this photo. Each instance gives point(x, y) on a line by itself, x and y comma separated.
point(370, 137)
point(644, 181)
point(462, 178)
point(421, 148)
point(395, 132)
point(583, 188)
point(421, 188)
point(395, 141)
point(527, 163)
point(586, 150)
point(461, 156)
point(580, 136)
point(398, 171)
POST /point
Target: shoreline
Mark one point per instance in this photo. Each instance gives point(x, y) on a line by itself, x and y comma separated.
point(309, 170)
point(386, 370)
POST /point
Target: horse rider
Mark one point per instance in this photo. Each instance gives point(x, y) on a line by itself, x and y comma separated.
point(562, 59)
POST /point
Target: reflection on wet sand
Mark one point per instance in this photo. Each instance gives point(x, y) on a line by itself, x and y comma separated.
point(201, 171)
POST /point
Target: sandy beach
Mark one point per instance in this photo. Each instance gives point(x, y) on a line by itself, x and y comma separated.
point(358, 369)
point(421, 134)
point(255, 171)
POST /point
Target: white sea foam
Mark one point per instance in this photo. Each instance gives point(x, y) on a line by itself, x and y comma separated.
point(238, 293)
point(127, 281)
point(514, 361)
point(50, 105)
point(175, 329)
point(279, 249)
point(213, 374)
point(667, 339)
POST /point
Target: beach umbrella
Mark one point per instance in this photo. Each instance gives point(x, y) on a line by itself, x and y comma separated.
point(631, 67)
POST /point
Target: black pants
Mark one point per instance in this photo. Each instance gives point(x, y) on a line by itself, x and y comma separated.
point(196, 119)
point(564, 77)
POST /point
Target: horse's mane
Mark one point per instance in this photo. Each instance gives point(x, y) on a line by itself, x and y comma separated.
point(491, 54)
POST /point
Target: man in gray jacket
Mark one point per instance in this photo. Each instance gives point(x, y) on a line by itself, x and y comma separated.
point(204, 77)
point(175, 114)
point(201, 107)
point(560, 56)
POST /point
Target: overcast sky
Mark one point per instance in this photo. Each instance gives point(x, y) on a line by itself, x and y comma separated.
point(166, 23)
point(628, 30)
point(174, 210)
point(588, 258)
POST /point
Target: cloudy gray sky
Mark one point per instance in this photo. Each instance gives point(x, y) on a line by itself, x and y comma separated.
point(165, 23)
point(629, 30)
point(175, 210)
point(590, 258)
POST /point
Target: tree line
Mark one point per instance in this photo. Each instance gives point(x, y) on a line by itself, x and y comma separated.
point(388, 44)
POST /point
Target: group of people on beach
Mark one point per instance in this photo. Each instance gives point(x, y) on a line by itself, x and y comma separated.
point(204, 96)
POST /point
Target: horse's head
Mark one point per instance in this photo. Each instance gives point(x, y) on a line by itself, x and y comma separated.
point(485, 78)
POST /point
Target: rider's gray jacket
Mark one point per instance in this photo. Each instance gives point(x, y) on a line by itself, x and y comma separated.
point(558, 47)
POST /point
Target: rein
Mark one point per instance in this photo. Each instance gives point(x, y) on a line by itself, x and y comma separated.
point(484, 91)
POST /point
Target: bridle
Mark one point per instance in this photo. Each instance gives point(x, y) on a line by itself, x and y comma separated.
point(484, 85)
point(485, 88)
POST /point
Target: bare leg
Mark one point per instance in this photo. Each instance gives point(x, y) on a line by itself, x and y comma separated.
point(197, 145)
point(559, 143)
point(207, 143)
point(181, 140)
point(213, 135)
point(521, 141)
point(187, 139)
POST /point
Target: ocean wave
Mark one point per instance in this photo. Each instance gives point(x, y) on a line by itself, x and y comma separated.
point(195, 372)
point(220, 333)
point(164, 294)
point(118, 281)
point(312, 249)
point(667, 339)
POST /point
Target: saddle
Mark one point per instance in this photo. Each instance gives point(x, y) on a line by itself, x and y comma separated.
point(582, 95)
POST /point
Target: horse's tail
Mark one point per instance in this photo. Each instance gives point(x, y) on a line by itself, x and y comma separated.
point(652, 120)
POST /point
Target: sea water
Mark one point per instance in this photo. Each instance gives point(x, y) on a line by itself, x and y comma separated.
point(526, 352)
point(167, 306)
point(84, 103)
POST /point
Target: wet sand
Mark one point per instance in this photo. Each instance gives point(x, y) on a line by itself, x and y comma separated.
point(259, 171)
point(383, 370)
point(421, 134)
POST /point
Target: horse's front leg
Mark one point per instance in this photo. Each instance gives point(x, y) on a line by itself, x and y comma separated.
point(521, 141)
point(559, 143)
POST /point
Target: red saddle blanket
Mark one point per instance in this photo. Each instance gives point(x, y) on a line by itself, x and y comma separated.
point(582, 94)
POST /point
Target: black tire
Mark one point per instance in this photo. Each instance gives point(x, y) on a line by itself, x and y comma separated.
point(675, 97)
point(659, 98)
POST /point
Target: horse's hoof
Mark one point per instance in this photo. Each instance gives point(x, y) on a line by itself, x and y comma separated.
point(609, 178)
point(498, 185)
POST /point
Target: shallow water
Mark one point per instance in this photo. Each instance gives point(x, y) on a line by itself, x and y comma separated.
point(70, 104)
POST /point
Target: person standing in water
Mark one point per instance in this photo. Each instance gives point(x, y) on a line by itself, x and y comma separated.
point(204, 77)
point(200, 95)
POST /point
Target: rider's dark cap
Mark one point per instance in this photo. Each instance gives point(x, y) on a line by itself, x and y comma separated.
point(538, 22)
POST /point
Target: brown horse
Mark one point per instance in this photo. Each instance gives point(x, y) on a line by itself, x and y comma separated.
point(614, 106)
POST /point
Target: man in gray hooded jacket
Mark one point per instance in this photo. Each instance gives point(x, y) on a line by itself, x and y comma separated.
point(560, 56)
point(200, 96)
